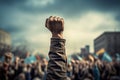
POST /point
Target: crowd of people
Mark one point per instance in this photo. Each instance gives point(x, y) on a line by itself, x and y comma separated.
point(76, 69)
point(57, 67)
point(19, 70)
point(93, 70)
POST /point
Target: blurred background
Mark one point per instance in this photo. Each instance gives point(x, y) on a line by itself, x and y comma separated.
point(22, 25)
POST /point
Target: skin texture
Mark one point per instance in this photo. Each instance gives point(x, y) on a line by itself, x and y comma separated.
point(55, 25)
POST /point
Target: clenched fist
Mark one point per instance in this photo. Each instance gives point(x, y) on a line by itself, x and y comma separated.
point(55, 25)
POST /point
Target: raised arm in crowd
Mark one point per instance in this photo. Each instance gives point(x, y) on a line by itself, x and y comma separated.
point(57, 65)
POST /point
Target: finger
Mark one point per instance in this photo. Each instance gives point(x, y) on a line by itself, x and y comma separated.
point(62, 20)
point(55, 18)
point(58, 18)
point(51, 18)
point(46, 23)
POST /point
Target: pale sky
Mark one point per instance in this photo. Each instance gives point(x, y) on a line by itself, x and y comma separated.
point(84, 21)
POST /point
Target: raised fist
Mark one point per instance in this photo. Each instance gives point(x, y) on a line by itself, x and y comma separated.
point(55, 25)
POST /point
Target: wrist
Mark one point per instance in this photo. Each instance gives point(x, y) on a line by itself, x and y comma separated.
point(57, 36)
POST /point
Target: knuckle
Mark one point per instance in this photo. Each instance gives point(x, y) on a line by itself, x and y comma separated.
point(51, 19)
point(58, 18)
point(55, 19)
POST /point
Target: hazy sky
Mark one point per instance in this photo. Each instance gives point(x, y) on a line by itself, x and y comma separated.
point(84, 21)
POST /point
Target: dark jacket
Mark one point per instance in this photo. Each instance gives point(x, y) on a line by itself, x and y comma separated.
point(57, 66)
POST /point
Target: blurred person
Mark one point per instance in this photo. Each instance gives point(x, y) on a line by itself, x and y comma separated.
point(10, 66)
point(69, 70)
point(96, 72)
point(21, 76)
point(33, 70)
point(27, 71)
point(44, 67)
point(117, 67)
point(36, 78)
point(76, 70)
point(4, 71)
point(38, 71)
point(8, 57)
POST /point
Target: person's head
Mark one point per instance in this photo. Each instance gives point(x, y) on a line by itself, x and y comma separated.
point(8, 57)
point(29, 66)
point(22, 62)
point(21, 76)
point(36, 78)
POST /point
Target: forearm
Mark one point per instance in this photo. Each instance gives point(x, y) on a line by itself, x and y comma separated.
point(57, 65)
point(60, 36)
